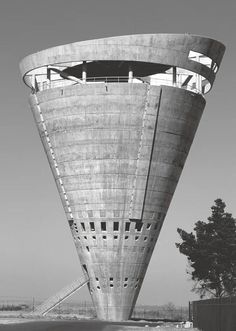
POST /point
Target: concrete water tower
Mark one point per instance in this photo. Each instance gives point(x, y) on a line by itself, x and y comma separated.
point(117, 117)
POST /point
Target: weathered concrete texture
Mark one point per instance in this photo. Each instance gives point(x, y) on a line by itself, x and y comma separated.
point(102, 140)
point(117, 151)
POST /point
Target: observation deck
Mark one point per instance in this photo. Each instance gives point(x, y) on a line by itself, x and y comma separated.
point(182, 61)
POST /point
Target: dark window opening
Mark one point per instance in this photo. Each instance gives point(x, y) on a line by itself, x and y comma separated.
point(85, 237)
point(115, 237)
point(145, 238)
point(127, 226)
point(78, 238)
point(126, 279)
point(136, 237)
point(85, 268)
point(92, 227)
point(148, 226)
point(98, 287)
point(116, 226)
point(138, 226)
point(103, 226)
point(94, 237)
point(125, 285)
point(104, 237)
point(87, 248)
point(111, 285)
point(136, 286)
point(111, 279)
point(71, 222)
point(126, 237)
point(83, 226)
point(96, 279)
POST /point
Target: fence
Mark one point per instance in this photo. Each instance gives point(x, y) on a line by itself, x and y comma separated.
point(23, 305)
point(214, 314)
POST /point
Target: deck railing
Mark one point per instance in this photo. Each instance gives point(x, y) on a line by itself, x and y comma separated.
point(40, 86)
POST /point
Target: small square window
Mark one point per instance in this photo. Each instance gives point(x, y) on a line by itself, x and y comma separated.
point(96, 279)
point(94, 237)
point(115, 237)
point(116, 226)
point(145, 238)
point(92, 226)
point(136, 237)
point(126, 237)
point(85, 237)
point(127, 226)
point(138, 226)
point(104, 237)
point(111, 279)
point(148, 226)
point(103, 226)
point(126, 279)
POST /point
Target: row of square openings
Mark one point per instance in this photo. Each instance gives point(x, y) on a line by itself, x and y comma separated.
point(136, 238)
point(116, 226)
point(117, 284)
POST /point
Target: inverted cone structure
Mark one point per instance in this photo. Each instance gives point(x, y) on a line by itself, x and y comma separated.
point(117, 117)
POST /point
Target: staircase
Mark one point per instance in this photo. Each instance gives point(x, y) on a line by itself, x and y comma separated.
point(62, 295)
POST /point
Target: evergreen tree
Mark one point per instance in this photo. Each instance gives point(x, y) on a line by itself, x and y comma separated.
point(211, 252)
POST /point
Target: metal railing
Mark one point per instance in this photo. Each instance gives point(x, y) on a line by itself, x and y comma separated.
point(41, 86)
point(59, 297)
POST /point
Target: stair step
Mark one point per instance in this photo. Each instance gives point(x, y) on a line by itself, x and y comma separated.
point(59, 297)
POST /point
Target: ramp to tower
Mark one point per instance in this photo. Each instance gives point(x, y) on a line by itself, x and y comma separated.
point(59, 297)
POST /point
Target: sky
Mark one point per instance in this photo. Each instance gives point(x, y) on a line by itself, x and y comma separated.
point(37, 253)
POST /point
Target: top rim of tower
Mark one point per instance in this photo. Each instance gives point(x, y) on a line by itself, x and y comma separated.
point(173, 50)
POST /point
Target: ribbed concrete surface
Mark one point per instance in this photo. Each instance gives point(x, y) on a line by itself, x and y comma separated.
point(104, 139)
